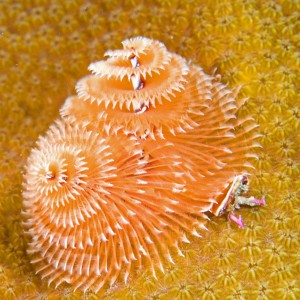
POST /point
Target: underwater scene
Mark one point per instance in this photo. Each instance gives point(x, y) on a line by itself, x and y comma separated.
point(149, 149)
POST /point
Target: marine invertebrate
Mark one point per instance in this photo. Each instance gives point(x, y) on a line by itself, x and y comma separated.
point(97, 200)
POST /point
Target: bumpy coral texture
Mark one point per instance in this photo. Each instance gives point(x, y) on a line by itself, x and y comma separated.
point(46, 48)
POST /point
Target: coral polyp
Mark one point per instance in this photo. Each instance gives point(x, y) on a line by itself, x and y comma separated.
point(148, 146)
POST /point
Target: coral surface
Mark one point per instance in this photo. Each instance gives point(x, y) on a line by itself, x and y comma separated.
point(254, 45)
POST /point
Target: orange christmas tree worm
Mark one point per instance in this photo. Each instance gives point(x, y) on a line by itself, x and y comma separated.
point(148, 146)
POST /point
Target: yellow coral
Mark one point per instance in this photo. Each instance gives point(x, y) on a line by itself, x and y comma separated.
point(45, 48)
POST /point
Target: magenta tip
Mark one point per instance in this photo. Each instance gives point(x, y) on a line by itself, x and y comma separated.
point(261, 201)
point(236, 220)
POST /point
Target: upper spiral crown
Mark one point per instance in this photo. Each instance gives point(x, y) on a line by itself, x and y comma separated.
point(140, 75)
point(142, 87)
